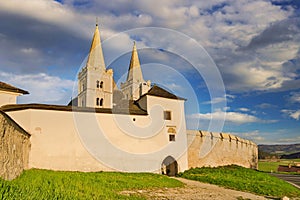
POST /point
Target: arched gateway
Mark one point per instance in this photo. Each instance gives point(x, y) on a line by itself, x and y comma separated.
point(169, 166)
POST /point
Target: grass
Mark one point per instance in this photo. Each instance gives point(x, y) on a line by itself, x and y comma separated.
point(243, 179)
point(46, 184)
point(272, 166)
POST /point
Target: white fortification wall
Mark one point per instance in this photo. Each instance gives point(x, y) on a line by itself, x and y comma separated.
point(84, 141)
point(219, 149)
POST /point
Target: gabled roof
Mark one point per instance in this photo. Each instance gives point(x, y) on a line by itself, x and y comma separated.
point(160, 92)
point(10, 88)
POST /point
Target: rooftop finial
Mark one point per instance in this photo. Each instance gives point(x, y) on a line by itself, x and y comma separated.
point(96, 21)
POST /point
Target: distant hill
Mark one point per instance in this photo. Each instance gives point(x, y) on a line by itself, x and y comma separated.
point(278, 150)
point(291, 156)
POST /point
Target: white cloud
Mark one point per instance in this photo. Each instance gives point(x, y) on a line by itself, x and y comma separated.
point(295, 97)
point(255, 136)
point(265, 105)
point(295, 114)
point(43, 88)
point(216, 100)
point(230, 117)
point(244, 109)
point(43, 10)
point(233, 117)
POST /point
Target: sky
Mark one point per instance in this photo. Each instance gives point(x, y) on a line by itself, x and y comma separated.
point(236, 62)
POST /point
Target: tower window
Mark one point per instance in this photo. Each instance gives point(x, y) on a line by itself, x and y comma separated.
point(101, 102)
point(101, 84)
point(167, 115)
point(97, 102)
point(97, 84)
point(172, 138)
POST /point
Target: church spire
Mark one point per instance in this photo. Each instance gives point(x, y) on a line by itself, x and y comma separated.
point(134, 71)
point(96, 59)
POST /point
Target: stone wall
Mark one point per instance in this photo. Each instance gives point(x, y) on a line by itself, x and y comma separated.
point(219, 149)
point(14, 148)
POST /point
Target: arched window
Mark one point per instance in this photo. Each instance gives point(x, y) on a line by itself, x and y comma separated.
point(101, 84)
point(101, 101)
point(97, 102)
point(97, 84)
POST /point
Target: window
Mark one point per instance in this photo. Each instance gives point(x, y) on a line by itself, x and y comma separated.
point(101, 102)
point(171, 130)
point(97, 102)
point(167, 115)
point(101, 84)
point(172, 138)
point(97, 84)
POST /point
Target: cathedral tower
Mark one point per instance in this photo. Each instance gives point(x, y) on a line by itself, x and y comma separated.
point(135, 86)
point(95, 83)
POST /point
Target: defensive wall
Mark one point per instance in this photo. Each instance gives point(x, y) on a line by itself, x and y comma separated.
point(208, 149)
point(14, 148)
point(50, 139)
point(88, 140)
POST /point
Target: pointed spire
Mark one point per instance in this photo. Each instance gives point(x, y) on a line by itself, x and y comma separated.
point(96, 59)
point(134, 71)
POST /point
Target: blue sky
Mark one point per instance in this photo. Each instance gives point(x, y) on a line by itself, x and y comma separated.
point(249, 47)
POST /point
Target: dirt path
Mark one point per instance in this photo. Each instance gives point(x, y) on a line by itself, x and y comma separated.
point(194, 190)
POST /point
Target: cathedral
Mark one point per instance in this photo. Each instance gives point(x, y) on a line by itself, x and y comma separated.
point(138, 127)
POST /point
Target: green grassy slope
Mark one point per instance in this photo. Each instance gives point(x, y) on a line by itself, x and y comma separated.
point(45, 184)
point(239, 178)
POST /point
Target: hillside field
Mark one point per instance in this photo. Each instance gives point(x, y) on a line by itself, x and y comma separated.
point(272, 165)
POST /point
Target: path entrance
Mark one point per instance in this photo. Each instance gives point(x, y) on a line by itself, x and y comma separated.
point(169, 166)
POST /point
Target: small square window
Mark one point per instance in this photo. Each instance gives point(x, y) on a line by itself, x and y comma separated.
point(167, 115)
point(172, 138)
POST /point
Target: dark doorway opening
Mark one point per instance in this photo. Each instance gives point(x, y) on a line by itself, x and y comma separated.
point(169, 166)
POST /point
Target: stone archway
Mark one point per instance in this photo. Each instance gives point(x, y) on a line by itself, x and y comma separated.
point(169, 166)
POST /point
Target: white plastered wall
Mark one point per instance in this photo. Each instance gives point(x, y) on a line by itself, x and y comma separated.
point(62, 140)
point(8, 98)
